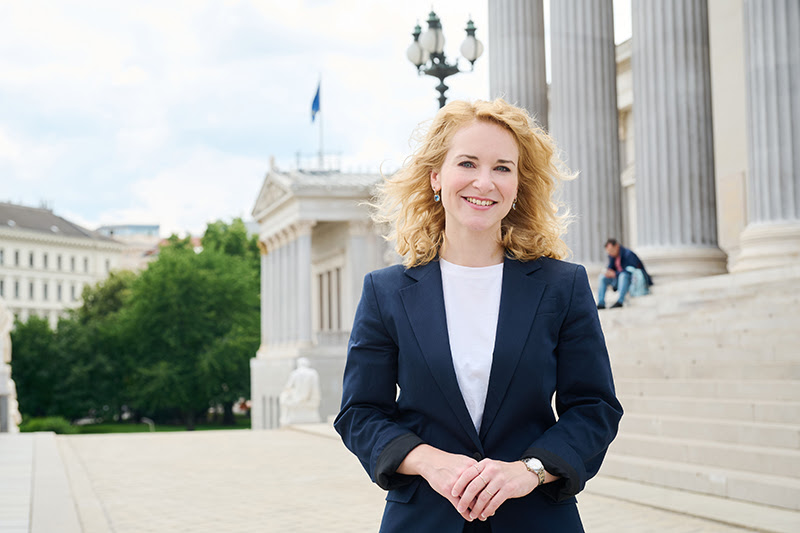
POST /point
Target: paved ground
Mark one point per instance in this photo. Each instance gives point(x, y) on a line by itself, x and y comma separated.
point(284, 481)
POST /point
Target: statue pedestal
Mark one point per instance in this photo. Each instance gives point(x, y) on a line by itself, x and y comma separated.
point(299, 415)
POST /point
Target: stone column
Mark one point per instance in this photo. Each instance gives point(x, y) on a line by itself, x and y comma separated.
point(303, 277)
point(358, 264)
point(272, 288)
point(266, 295)
point(291, 286)
point(516, 55)
point(772, 65)
point(583, 121)
point(675, 194)
point(283, 270)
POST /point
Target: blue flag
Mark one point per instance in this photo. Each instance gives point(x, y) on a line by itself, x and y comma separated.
point(315, 104)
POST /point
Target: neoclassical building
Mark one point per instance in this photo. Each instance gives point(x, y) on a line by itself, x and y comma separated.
point(687, 142)
point(317, 243)
point(694, 196)
point(46, 260)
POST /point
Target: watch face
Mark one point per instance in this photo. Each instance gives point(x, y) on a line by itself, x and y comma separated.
point(534, 463)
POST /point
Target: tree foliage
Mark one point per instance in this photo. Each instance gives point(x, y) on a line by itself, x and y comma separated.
point(35, 367)
point(166, 343)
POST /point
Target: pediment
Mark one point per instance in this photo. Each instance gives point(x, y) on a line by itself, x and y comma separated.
point(273, 192)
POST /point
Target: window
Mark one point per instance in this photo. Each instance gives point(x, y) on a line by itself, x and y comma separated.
point(72, 263)
point(72, 292)
point(58, 292)
point(108, 265)
point(58, 261)
point(2, 260)
point(16, 258)
point(16, 290)
point(2, 289)
point(44, 291)
point(86, 264)
point(329, 285)
point(30, 290)
point(30, 259)
point(44, 260)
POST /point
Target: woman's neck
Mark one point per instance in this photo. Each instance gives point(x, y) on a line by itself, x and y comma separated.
point(473, 251)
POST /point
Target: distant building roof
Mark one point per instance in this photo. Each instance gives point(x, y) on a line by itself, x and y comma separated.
point(129, 230)
point(42, 220)
point(332, 179)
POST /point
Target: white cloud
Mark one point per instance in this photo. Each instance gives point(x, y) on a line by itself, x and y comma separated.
point(207, 185)
point(168, 112)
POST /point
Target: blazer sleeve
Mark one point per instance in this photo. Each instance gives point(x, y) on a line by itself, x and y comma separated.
point(588, 409)
point(367, 420)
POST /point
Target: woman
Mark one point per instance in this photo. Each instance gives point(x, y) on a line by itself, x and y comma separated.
point(478, 329)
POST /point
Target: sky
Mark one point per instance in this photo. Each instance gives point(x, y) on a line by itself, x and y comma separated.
point(168, 112)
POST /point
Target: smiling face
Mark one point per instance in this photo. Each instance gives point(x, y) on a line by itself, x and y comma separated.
point(478, 179)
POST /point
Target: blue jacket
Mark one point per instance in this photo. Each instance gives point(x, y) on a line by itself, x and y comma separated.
point(629, 259)
point(548, 341)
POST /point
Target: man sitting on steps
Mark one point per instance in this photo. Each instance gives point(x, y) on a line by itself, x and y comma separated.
point(623, 267)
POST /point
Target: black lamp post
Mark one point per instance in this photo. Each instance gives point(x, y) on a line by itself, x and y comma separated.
point(427, 52)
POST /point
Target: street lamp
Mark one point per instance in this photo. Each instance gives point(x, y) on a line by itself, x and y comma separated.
point(427, 52)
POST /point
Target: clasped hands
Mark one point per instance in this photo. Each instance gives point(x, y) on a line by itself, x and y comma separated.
point(477, 489)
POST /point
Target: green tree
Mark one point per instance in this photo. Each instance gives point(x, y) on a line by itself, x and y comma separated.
point(232, 239)
point(35, 367)
point(80, 368)
point(90, 344)
point(188, 322)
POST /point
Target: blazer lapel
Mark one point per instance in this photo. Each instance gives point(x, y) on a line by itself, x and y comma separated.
point(519, 301)
point(424, 305)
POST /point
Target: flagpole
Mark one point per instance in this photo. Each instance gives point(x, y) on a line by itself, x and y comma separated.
point(321, 156)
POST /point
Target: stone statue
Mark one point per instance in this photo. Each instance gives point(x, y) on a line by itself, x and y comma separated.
point(10, 418)
point(299, 400)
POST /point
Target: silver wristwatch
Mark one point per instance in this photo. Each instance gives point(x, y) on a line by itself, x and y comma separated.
point(535, 465)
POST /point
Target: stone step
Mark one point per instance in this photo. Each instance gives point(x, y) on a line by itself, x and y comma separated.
point(781, 412)
point(779, 462)
point(737, 513)
point(731, 304)
point(644, 368)
point(757, 280)
point(725, 431)
point(673, 349)
point(728, 483)
point(775, 389)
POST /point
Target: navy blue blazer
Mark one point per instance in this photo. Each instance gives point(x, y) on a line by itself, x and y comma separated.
point(548, 341)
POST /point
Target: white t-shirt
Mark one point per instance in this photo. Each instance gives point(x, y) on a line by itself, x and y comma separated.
point(472, 305)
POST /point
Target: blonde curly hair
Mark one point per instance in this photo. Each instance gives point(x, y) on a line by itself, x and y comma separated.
point(405, 200)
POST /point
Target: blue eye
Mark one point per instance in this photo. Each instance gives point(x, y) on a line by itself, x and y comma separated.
point(467, 164)
point(503, 169)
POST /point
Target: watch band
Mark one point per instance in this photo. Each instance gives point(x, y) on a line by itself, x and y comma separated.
point(539, 472)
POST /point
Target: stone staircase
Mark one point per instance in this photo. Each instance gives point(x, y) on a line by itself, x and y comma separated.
point(708, 371)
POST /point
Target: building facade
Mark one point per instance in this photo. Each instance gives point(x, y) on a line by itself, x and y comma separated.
point(46, 261)
point(703, 96)
point(317, 243)
point(686, 146)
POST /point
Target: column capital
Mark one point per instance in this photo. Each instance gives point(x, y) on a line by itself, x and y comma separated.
point(303, 227)
point(262, 247)
point(272, 242)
